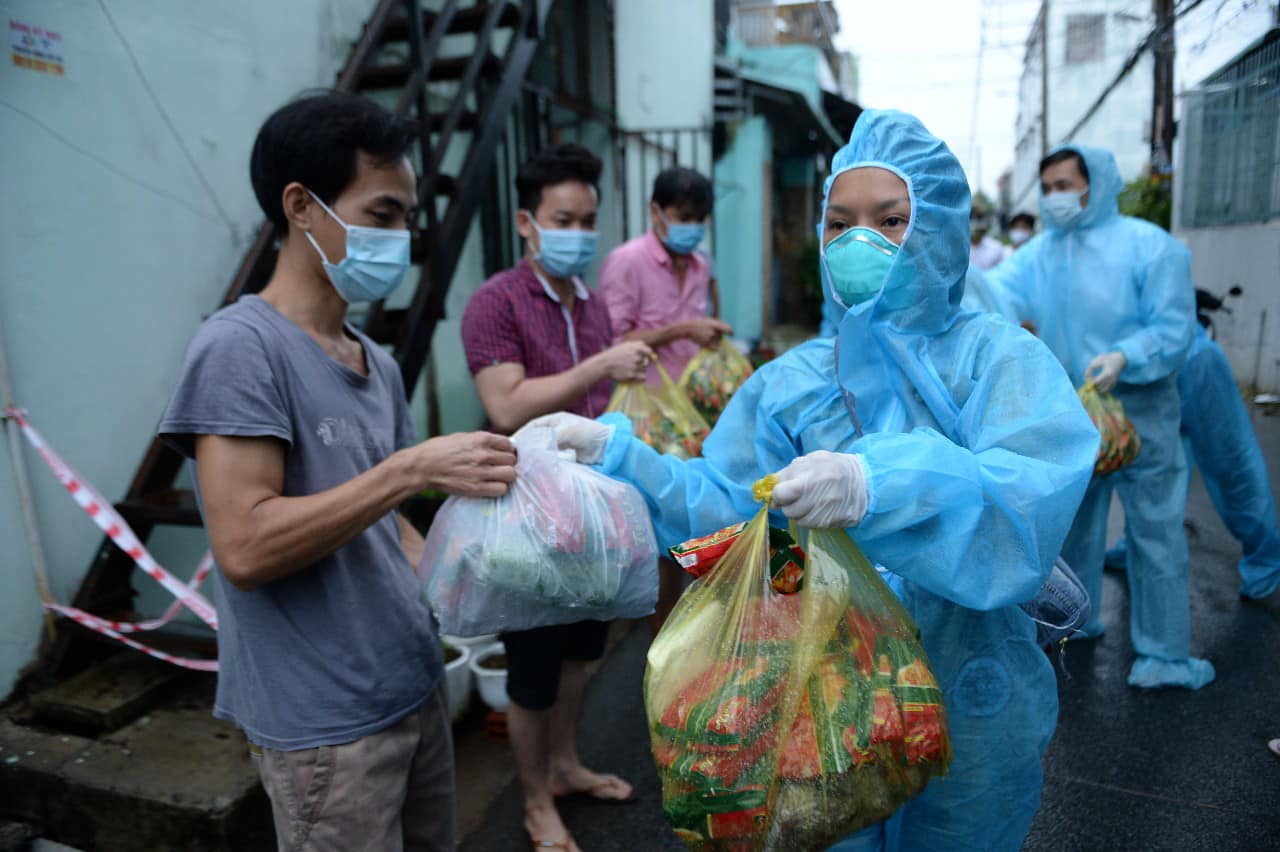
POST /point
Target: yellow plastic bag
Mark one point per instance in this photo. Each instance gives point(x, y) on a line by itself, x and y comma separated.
point(788, 721)
point(662, 417)
point(1120, 441)
point(713, 377)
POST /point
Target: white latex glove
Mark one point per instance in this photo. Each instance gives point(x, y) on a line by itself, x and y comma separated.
point(1104, 371)
point(585, 437)
point(823, 490)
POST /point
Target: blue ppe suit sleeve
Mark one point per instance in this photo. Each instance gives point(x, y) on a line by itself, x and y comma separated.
point(1167, 308)
point(980, 522)
point(700, 496)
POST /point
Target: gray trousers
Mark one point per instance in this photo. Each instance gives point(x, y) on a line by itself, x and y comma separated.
point(393, 790)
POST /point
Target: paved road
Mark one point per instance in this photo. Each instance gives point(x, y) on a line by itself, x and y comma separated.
point(1127, 769)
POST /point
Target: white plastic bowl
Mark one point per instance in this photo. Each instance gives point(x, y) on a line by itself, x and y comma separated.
point(471, 642)
point(492, 683)
point(457, 677)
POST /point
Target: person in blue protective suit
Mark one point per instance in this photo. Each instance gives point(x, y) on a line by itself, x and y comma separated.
point(951, 445)
point(1220, 440)
point(1112, 297)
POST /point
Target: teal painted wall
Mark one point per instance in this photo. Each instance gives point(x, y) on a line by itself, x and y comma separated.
point(742, 229)
point(114, 246)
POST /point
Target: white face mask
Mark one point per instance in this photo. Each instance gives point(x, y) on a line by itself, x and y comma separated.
point(1061, 209)
point(1018, 236)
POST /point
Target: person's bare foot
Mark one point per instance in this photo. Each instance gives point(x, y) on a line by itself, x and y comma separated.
point(579, 779)
point(545, 828)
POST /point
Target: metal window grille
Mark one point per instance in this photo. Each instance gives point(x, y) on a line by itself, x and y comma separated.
point(1232, 130)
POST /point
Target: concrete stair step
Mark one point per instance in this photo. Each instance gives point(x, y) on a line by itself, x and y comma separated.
point(175, 778)
point(107, 696)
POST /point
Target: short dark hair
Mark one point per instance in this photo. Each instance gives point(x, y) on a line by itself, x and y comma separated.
point(1026, 218)
point(681, 187)
point(1061, 157)
point(556, 165)
point(314, 140)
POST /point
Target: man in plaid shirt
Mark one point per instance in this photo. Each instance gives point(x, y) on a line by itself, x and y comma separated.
point(538, 341)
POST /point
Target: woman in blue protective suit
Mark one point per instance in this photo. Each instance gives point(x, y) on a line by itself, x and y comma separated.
point(951, 445)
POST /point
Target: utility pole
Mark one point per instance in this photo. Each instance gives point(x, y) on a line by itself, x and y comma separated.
point(1044, 77)
point(1162, 89)
point(975, 156)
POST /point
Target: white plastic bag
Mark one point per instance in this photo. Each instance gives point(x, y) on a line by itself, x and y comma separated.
point(565, 544)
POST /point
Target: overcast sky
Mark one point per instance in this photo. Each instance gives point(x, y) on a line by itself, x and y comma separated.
point(921, 56)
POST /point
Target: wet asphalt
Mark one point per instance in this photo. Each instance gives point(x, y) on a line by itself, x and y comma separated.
point(1127, 769)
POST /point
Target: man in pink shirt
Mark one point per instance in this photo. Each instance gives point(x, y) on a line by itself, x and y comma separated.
point(656, 286)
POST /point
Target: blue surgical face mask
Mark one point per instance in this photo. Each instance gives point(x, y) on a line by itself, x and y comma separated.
point(683, 237)
point(1060, 210)
point(375, 263)
point(563, 252)
point(857, 264)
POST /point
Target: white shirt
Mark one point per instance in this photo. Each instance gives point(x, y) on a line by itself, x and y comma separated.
point(988, 252)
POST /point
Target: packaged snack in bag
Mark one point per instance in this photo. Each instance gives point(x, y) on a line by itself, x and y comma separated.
point(564, 544)
point(786, 559)
point(1120, 442)
point(713, 376)
point(662, 417)
point(787, 721)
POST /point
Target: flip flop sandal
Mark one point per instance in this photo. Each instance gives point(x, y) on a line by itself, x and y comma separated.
point(592, 795)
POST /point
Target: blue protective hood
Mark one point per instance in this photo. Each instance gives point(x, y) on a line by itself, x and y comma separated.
point(881, 360)
point(926, 281)
point(1104, 186)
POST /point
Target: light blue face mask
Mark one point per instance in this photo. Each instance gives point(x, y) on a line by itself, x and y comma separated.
point(375, 263)
point(1060, 210)
point(683, 237)
point(564, 252)
point(857, 264)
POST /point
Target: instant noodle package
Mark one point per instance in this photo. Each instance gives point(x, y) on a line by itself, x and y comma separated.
point(713, 377)
point(1120, 442)
point(785, 715)
point(564, 544)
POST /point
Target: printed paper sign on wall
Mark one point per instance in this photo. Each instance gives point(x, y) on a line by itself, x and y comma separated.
point(36, 48)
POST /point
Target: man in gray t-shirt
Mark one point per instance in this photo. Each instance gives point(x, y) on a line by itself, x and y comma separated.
point(303, 449)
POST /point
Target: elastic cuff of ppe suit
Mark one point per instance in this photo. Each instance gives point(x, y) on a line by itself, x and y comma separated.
point(868, 483)
point(1133, 359)
point(615, 451)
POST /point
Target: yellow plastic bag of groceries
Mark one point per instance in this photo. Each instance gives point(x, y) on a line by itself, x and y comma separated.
point(713, 377)
point(662, 417)
point(1120, 442)
point(788, 721)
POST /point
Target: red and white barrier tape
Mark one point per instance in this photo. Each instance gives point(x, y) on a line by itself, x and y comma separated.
point(99, 625)
point(202, 571)
point(118, 530)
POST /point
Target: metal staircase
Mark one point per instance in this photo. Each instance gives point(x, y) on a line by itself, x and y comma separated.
point(403, 59)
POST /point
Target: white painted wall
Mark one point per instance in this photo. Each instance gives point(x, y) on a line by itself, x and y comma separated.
point(1213, 34)
point(1121, 124)
point(1206, 38)
point(126, 215)
point(1247, 256)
